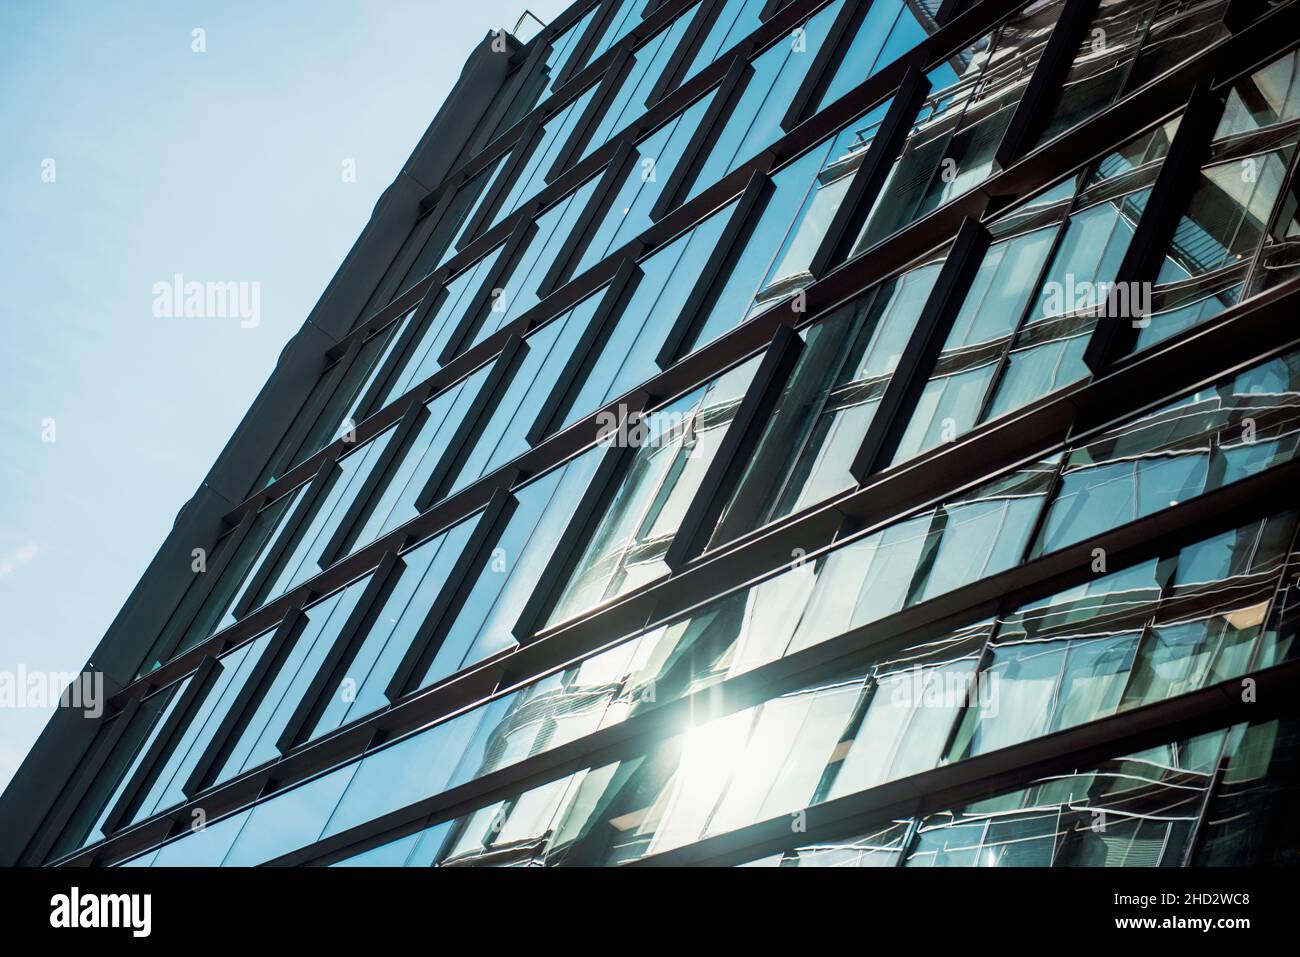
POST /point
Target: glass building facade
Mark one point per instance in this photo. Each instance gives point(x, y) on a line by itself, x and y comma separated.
point(804, 433)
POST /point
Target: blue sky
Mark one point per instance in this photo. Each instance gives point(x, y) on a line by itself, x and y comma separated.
point(223, 165)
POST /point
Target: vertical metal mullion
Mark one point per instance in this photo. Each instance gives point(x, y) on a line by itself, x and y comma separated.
point(935, 530)
point(1278, 601)
point(581, 50)
point(288, 452)
point(747, 508)
point(606, 93)
point(423, 649)
point(524, 71)
point(604, 483)
point(496, 191)
point(922, 350)
point(192, 601)
point(1045, 82)
point(725, 96)
point(982, 662)
point(505, 265)
point(598, 206)
point(1004, 360)
point(586, 351)
point(1216, 781)
point(407, 427)
point(1290, 181)
point(296, 524)
point(403, 350)
point(342, 649)
point(869, 178)
point(1054, 484)
point(235, 721)
point(730, 245)
point(737, 444)
point(819, 74)
point(1172, 190)
point(200, 684)
point(687, 49)
point(475, 418)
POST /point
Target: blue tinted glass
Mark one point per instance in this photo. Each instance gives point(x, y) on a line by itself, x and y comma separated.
point(397, 503)
point(153, 712)
point(627, 357)
point(643, 73)
point(519, 291)
point(954, 395)
point(288, 821)
point(733, 303)
point(627, 548)
point(483, 182)
point(555, 136)
point(206, 847)
point(408, 771)
point(889, 30)
point(486, 622)
point(446, 317)
point(629, 212)
point(167, 787)
point(840, 161)
point(736, 20)
point(562, 47)
point(345, 482)
point(625, 19)
point(1186, 448)
point(955, 136)
point(426, 569)
point(257, 742)
point(813, 435)
point(287, 507)
point(389, 336)
point(549, 350)
point(754, 121)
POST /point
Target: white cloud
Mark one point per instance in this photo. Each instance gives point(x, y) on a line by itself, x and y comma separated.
point(17, 558)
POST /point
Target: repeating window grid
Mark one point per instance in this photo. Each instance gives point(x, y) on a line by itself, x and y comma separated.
point(372, 373)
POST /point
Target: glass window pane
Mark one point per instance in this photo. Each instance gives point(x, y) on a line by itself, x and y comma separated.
point(735, 21)
point(890, 29)
point(1184, 449)
point(754, 120)
point(257, 741)
point(951, 146)
point(807, 446)
point(442, 320)
point(486, 622)
point(396, 503)
point(626, 550)
point(364, 684)
point(628, 356)
point(643, 73)
point(531, 177)
point(519, 291)
point(652, 165)
point(168, 779)
point(504, 436)
point(626, 18)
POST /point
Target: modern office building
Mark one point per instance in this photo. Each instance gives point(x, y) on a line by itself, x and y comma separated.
point(754, 432)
